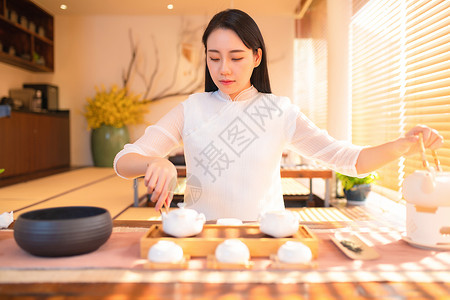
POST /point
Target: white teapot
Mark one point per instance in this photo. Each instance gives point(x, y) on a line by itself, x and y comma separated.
point(183, 222)
point(279, 224)
point(427, 188)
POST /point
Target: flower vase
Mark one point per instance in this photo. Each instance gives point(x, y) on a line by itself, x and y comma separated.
point(106, 142)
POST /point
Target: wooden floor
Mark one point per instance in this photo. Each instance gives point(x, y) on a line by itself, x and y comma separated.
point(103, 188)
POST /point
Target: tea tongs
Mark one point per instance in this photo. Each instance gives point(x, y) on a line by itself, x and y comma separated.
point(433, 153)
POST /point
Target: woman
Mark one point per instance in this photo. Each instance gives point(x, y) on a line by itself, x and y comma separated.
point(234, 134)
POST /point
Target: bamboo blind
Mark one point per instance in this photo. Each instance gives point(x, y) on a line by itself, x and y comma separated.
point(400, 53)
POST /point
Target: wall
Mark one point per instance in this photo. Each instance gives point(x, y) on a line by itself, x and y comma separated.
point(339, 95)
point(12, 77)
point(95, 50)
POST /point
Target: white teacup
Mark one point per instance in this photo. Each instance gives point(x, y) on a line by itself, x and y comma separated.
point(165, 252)
point(229, 222)
point(232, 251)
point(294, 253)
point(279, 224)
point(6, 219)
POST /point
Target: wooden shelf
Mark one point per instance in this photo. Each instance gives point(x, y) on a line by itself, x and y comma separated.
point(26, 36)
point(22, 63)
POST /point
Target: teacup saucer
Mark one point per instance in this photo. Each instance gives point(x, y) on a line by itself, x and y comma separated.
point(213, 263)
point(277, 264)
point(425, 246)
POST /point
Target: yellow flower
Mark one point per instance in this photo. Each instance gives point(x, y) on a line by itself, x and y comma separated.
point(115, 107)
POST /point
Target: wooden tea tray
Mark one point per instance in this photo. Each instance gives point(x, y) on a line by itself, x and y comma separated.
point(183, 264)
point(205, 243)
point(277, 264)
point(213, 263)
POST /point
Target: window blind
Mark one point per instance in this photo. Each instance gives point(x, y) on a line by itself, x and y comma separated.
point(427, 82)
point(400, 65)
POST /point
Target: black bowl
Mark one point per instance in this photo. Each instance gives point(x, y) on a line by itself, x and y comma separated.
point(63, 231)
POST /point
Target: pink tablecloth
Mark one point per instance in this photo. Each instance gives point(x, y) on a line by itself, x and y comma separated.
point(121, 251)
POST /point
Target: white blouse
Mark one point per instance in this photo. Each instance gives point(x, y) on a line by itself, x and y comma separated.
point(233, 150)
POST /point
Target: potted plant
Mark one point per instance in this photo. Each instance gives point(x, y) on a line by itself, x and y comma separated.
point(108, 113)
point(356, 189)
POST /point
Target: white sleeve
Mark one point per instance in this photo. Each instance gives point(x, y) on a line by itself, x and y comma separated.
point(159, 139)
point(314, 143)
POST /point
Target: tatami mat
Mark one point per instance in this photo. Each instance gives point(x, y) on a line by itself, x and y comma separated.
point(310, 214)
point(93, 187)
point(140, 214)
point(86, 186)
point(115, 194)
point(49, 186)
point(334, 214)
point(319, 218)
point(290, 186)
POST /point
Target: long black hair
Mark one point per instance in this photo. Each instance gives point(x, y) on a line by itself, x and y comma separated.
point(248, 31)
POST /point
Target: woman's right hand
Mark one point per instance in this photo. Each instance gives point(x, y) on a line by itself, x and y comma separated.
point(160, 180)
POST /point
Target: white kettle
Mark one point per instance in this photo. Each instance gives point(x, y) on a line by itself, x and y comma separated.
point(427, 188)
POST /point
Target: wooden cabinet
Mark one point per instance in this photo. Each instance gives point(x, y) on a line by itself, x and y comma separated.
point(26, 36)
point(32, 142)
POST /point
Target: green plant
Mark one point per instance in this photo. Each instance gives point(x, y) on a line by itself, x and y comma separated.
point(348, 181)
point(115, 107)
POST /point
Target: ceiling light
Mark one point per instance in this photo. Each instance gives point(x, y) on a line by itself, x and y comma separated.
point(170, 6)
point(63, 6)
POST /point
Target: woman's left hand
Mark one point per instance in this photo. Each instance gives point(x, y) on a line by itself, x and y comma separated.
point(409, 144)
